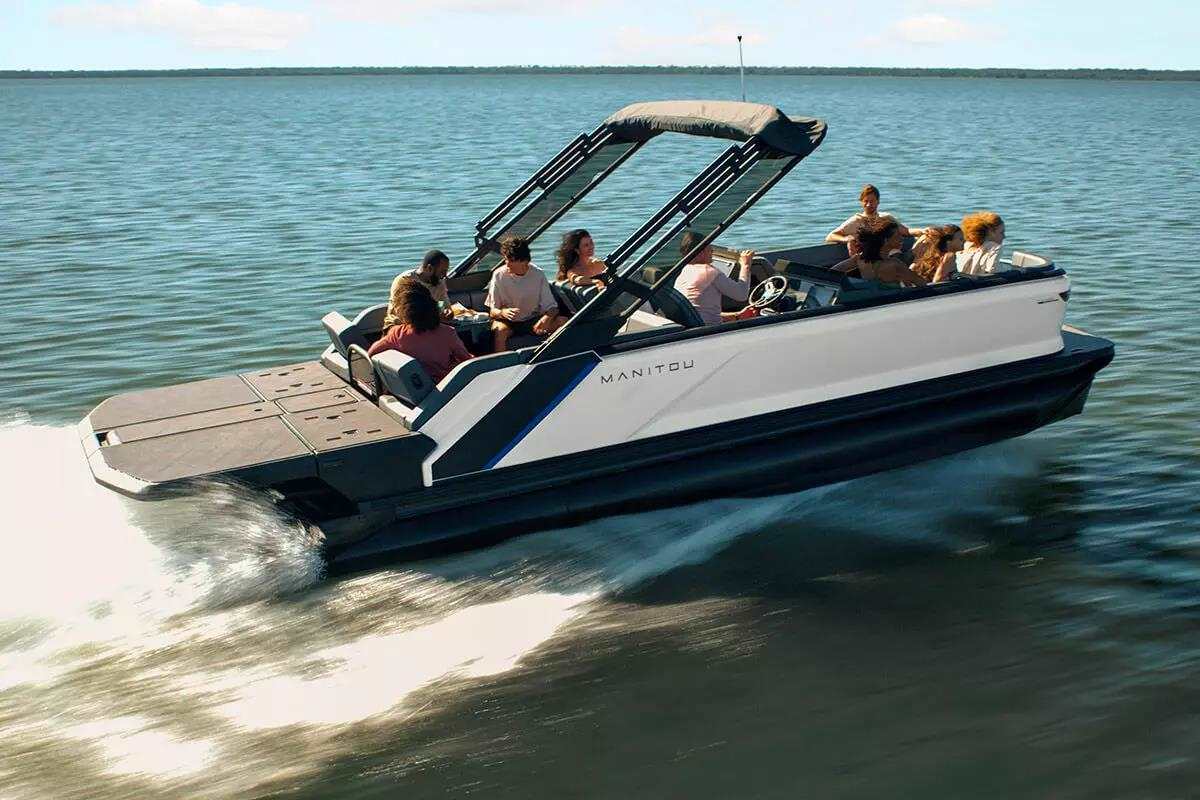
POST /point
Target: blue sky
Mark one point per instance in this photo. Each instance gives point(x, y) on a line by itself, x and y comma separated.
point(125, 34)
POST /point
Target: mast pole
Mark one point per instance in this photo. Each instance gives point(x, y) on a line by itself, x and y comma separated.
point(741, 68)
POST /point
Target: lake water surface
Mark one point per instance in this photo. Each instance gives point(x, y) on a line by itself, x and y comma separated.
point(1019, 621)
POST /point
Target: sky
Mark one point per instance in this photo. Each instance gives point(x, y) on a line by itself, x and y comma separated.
point(166, 34)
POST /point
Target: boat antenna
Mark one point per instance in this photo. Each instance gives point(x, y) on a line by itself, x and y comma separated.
point(741, 68)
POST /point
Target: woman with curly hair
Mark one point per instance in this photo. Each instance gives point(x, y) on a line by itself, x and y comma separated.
point(577, 262)
point(418, 331)
point(877, 239)
point(984, 232)
point(936, 263)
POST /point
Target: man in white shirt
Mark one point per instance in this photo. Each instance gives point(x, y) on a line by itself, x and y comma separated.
point(519, 296)
point(704, 285)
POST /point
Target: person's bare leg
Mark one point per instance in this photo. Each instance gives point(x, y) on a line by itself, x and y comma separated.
point(500, 334)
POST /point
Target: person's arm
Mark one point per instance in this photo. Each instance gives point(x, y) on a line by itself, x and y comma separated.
point(547, 305)
point(458, 351)
point(908, 276)
point(945, 269)
point(497, 311)
point(841, 233)
point(738, 289)
point(385, 342)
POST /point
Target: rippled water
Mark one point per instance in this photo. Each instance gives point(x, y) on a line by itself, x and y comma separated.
point(1016, 621)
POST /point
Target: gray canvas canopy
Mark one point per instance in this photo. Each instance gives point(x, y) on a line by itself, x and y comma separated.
point(722, 119)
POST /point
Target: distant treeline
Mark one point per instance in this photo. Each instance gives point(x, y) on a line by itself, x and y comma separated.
point(882, 72)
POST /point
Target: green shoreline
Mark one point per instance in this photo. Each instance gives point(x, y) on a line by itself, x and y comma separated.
point(880, 72)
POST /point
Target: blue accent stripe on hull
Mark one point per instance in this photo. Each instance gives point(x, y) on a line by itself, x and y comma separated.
point(541, 415)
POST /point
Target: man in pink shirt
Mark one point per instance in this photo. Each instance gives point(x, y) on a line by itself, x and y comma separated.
point(704, 285)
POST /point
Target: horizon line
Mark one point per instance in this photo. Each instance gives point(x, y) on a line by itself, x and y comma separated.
point(1112, 73)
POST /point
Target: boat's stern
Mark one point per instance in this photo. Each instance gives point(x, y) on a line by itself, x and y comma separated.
point(298, 429)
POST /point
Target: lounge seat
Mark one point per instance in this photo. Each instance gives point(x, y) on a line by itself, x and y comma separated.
point(570, 297)
point(342, 334)
point(370, 320)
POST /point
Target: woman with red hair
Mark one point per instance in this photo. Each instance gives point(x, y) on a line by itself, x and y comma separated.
point(984, 232)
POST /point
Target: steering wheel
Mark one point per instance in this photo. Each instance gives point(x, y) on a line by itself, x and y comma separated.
point(767, 292)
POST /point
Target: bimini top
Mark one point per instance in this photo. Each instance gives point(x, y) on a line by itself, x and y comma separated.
point(722, 119)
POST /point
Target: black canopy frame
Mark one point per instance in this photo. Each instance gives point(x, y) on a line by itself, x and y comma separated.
point(771, 144)
point(603, 316)
point(601, 149)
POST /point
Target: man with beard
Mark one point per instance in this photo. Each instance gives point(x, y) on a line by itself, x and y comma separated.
point(432, 275)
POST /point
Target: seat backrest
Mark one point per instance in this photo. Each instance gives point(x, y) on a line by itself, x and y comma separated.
point(403, 376)
point(570, 297)
point(370, 319)
point(343, 333)
point(669, 302)
point(362, 372)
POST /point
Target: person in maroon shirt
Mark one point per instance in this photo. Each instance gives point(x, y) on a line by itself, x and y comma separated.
point(419, 332)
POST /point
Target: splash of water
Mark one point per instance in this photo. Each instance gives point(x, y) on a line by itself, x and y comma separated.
point(101, 591)
point(83, 559)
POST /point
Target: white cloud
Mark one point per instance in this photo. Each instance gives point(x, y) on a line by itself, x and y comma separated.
point(708, 44)
point(956, 3)
point(931, 29)
point(399, 11)
point(229, 26)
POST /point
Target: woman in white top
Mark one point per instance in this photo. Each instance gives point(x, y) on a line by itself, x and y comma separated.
point(869, 197)
point(984, 232)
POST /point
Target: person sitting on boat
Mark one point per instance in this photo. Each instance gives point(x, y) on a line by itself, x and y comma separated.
point(878, 240)
point(519, 296)
point(432, 275)
point(984, 232)
point(704, 285)
point(418, 331)
point(869, 198)
point(936, 261)
point(577, 262)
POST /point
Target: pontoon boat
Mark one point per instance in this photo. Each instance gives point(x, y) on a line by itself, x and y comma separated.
point(634, 403)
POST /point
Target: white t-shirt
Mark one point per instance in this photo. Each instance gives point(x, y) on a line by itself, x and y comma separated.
point(529, 293)
point(438, 290)
point(982, 260)
point(851, 225)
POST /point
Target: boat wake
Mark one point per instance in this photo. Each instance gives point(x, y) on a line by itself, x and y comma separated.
point(167, 643)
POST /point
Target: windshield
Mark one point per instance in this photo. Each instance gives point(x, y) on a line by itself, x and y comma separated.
point(565, 183)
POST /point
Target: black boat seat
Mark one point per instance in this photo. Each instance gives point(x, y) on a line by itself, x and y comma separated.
point(669, 302)
point(571, 298)
point(403, 376)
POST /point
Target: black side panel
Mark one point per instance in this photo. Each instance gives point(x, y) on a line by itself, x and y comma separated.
point(514, 416)
point(378, 469)
point(786, 451)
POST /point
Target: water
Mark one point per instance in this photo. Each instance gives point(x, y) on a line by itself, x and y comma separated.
point(1016, 621)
